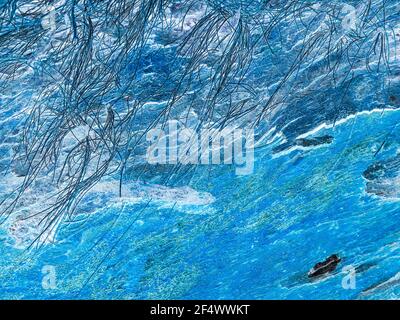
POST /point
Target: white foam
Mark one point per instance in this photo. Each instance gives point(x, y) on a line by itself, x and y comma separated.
point(325, 125)
point(136, 191)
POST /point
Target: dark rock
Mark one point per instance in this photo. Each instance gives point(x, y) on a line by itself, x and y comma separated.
point(309, 142)
point(381, 177)
point(314, 141)
point(324, 267)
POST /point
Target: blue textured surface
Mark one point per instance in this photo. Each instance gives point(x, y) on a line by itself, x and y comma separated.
point(203, 233)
